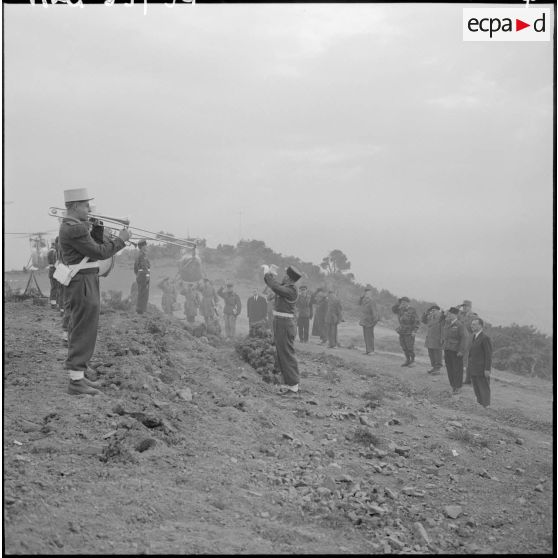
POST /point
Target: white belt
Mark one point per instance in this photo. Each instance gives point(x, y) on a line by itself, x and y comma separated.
point(283, 314)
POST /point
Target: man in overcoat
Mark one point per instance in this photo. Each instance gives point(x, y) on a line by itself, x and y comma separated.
point(368, 319)
point(434, 320)
point(480, 362)
point(304, 313)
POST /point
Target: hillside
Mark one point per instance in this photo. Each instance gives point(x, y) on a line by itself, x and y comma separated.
point(188, 451)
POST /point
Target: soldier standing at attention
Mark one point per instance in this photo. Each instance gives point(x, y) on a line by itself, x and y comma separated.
point(454, 341)
point(333, 318)
point(284, 328)
point(141, 269)
point(83, 299)
point(304, 314)
point(408, 325)
point(232, 309)
point(369, 319)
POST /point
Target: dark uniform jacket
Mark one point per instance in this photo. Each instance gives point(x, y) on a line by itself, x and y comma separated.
point(304, 306)
point(286, 294)
point(480, 355)
point(76, 242)
point(233, 306)
point(142, 265)
point(333, 312)
point(408, 320)
point(454, 337)
point(256, 308)
point(369, 316)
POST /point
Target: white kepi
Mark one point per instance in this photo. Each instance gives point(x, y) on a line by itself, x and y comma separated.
point(76, 195)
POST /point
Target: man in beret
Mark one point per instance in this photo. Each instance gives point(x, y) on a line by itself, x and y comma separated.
point(408, 326)
point(454, 339)
point(368, 319)
point(81, 247)
point(434, 320)
point(142, 269)
point(284, 327)
point(232, 309)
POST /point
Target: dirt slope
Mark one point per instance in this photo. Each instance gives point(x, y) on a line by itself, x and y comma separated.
point(188, 451)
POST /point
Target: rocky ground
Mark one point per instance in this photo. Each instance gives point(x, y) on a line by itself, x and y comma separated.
point(189, 451)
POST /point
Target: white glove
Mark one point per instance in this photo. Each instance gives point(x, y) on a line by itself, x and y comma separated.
point(273, 269)
point(265, 268)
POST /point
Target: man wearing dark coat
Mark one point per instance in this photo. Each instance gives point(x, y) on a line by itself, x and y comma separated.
point(81, 247)
point(142, 270)
point(434, 320)
point(284, 328)
point(52, 257)
point(368, 319)
point(480, 362)
point(303, 313)
point(408, 325)
point(465, 316)
point(319, 302)
point(256, 308)
point(454, 340)
point(332, 318)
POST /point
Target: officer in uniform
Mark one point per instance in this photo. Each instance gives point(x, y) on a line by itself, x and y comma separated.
point(408, 325)
point(82, 294)
point(284, 327)
point(304, 313)
point(141, 269)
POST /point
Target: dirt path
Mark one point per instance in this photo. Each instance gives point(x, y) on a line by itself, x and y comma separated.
point(188, 451)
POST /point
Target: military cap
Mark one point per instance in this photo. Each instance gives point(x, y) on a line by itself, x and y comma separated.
point(293, 273)
point(467, 303)
point(453, 310)
point(142, 243)
point(434, 307)
point(404, 299)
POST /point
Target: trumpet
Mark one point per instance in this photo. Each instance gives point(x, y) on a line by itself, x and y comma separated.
point(136, 232)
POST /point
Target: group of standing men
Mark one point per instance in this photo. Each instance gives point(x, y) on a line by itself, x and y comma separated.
point(457, 335)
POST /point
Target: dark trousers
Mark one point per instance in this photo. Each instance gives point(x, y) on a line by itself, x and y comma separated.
point(368, 332)
point(481, 387)
point(454, 366)
point(435, 357)
point(83, 305)
point(466, 358)
point(143, 294)
point(54, 285)
point(332, 334)
point(64, 305)
point(407, 342)
point(303, 328)
point(284, 332)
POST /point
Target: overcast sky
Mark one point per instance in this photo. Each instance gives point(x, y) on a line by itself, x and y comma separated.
point(370, 128)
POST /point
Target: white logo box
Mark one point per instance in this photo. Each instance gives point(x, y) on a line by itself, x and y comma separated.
point(501, 24)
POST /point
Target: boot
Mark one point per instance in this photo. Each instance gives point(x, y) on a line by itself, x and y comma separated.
point(91, 383)
point(80, 387)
